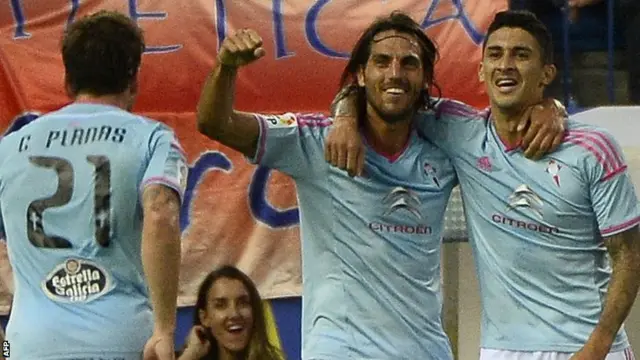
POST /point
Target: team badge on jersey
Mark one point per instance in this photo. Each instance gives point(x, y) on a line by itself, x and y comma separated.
point(284, 120)
point(553, 169)
point(76, 281)
point(431, 173)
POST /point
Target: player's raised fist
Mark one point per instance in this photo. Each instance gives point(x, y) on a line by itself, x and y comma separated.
point(241, 48)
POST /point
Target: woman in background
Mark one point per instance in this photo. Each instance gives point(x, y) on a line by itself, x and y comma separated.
point(229, 321)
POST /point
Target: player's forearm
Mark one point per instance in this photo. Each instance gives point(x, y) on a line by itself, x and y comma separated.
point(345, 103)
point(624, 250)
point(215, 107)
point(161, 261)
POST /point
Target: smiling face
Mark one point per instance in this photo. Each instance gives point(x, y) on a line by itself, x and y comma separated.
point(513, 70)
point(229, 314)
point(393, 76)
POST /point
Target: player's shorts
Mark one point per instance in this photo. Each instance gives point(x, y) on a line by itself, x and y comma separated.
point(491, 354)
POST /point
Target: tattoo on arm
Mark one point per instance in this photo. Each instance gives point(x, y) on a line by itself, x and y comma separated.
point(624, 252)
point(159, 198)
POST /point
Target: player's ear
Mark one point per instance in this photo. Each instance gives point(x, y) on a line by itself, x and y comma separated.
point(549, 74)
point(481, 72)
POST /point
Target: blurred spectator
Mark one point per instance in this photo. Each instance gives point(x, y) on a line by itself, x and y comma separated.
point(229, 321)
point(588, 35)
point(630, 15)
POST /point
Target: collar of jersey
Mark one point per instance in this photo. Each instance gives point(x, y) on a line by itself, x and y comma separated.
point(81, 107)
point(494, 133)
point(392, 158)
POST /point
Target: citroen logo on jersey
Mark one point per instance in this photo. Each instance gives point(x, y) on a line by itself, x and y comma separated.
point(400, 198)
point(524, 197)
point(553, 169)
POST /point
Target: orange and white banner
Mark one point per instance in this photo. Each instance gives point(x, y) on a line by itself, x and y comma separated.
point(233, 212)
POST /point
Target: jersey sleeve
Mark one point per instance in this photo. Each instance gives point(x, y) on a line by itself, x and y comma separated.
point(167, 164)
point(292, 143)
point(612, 192)
point(452, 125)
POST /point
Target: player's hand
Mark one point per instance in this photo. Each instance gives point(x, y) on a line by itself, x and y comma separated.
point(197, 344)
point(343, 146)
point(241, 48)
point(543, 127)
point(159, 347)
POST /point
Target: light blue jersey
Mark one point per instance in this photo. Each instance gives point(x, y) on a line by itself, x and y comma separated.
point(70, 190)
point(370, 246)
point(537, 228)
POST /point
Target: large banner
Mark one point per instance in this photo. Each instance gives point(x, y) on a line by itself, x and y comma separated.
point(233, 212)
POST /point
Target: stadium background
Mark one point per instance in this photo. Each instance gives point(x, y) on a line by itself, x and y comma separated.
point(234, 212)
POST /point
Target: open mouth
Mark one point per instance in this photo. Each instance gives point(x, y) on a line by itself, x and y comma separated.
point(395, 91)
point(506, 85)
point(235, 328)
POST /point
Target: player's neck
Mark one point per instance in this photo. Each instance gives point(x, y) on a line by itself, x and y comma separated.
point(384, 137)
point(113, 100)
point(506, 124)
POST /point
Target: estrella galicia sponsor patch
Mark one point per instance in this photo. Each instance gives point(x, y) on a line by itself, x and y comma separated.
point(76, 281)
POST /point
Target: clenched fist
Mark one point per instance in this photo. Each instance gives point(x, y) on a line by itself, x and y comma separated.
point(241, 48)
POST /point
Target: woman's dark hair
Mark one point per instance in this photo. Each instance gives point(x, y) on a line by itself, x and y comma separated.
point(259, 347)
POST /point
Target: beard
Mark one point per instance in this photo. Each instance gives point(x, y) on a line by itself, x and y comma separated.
point(390, 117)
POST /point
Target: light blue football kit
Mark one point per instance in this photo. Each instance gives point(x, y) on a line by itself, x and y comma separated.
point(70, 190)
point(370, 246)
point(537, 228)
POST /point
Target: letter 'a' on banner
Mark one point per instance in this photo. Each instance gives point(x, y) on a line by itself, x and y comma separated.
point(233, 212)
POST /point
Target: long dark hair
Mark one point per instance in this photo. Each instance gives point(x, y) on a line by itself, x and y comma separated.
point(400, 22)
point(259, 347)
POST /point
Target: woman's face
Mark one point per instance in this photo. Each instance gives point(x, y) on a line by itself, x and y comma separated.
point(228, 314)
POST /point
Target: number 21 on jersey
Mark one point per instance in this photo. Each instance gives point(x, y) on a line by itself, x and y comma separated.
point(36, 229)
